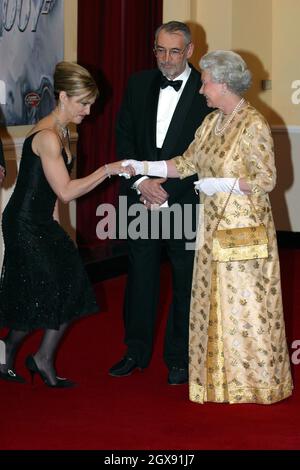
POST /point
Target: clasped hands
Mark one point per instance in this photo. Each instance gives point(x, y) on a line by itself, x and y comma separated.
point(153, 195)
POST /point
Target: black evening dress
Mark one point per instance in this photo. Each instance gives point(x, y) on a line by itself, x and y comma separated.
point(43, 282)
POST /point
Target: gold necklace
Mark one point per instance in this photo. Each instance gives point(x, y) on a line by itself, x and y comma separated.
point(219, 130)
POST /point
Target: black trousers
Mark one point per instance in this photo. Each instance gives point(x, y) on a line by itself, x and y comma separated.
point(142, 295)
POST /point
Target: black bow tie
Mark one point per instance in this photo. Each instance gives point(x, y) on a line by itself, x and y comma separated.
point(176, 84)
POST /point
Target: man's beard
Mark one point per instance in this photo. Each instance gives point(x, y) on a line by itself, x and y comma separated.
point(169, 72)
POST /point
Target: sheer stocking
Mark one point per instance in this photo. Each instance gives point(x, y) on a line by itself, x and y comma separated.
point(45, 356)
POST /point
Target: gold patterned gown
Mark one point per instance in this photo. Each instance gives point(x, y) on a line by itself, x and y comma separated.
point(237, 347)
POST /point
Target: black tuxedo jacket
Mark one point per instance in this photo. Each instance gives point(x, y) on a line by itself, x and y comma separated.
point(136, 129)
point(2, 161)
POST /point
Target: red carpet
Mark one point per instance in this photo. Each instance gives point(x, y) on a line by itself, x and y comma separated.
point(140, 411)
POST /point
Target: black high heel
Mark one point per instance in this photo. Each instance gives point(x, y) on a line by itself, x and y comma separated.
point(11, 376)
point(8, 373)
point(33, 369)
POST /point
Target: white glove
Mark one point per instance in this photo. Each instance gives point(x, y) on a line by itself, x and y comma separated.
point(158, 168)
point(210, 186)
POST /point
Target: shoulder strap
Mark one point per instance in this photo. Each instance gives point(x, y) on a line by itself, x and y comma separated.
point(47, 129)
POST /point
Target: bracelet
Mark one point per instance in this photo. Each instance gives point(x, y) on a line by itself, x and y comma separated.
point(146, 168)
point(106, 170)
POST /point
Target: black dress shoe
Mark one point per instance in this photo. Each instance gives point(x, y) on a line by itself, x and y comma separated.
point(178, 376)
point(125, 367)
point(11, 376)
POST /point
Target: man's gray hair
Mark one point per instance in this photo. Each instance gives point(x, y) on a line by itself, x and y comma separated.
point(227, 67)
point(175, 27)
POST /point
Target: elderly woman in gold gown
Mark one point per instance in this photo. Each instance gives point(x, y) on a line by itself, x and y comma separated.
point(237, 346)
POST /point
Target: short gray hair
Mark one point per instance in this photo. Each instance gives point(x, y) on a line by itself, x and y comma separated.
point(175, 27)
point(227, 67)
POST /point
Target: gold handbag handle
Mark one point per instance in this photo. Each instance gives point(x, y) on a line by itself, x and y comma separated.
point(253, 206)
point(226, 203)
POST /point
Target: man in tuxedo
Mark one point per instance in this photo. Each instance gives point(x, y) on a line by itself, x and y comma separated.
point(161, 110)
point(2, 163)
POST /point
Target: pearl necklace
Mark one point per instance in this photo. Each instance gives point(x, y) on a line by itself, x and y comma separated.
point(219, 130)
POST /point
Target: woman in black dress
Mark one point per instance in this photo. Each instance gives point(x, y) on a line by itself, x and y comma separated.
point(43, 282)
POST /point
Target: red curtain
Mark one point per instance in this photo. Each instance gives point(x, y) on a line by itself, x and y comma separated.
point(115, 39)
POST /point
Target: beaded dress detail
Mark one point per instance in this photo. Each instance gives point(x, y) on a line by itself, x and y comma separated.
point(43, 282)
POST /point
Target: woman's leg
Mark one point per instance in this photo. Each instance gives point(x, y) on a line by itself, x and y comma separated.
point(45, 356)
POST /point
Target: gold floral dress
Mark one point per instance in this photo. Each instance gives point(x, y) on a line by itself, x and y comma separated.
point(237, 346)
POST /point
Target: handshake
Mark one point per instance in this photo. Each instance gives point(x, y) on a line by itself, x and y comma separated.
point(149, 168)
point(129, 168)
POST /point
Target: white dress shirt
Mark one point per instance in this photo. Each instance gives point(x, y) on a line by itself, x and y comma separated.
point(167, 102)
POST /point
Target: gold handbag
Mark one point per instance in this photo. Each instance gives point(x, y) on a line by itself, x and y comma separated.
point(237, 244)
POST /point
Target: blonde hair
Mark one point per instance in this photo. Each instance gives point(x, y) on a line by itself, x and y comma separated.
point(74, 80)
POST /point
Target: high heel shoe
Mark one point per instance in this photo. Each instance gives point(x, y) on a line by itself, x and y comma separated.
point(11, 376)
point(33, 369)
